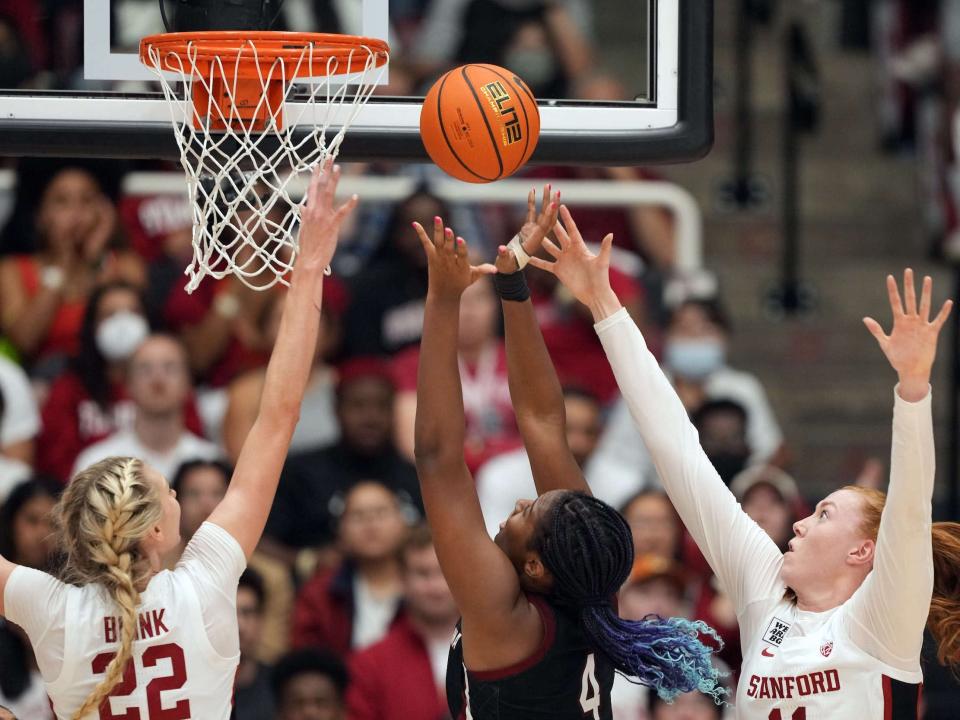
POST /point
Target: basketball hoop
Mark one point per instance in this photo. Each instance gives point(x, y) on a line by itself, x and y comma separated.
point(242, 139)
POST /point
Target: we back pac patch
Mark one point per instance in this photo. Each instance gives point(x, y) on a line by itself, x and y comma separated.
point(776, 631)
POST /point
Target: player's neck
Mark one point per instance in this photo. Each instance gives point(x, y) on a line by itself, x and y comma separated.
point(827, 597)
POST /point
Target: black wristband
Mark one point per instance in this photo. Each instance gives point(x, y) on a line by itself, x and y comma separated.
point(512, 286)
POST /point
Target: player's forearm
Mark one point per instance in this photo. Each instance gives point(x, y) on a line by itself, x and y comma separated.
point(439, 428)
point(534, 387)
point(292, 359)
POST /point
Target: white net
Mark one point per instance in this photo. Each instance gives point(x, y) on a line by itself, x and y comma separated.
point(241, 151)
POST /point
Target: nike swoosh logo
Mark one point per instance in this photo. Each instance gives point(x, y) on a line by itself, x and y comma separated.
point(766, 653)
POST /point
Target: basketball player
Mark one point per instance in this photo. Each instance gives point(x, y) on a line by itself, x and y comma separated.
point(833, 627)
point(539, 637)
point(121, 636)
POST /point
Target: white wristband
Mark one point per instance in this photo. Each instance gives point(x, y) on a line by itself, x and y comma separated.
point(518, 252)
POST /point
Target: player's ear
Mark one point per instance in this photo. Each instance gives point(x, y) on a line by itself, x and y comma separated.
point(533, 567)
point(863, 553)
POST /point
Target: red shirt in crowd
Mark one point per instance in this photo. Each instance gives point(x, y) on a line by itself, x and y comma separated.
point(64, 332)
point(490, 423)
point(324, 610)
point(408, 689)
point(572, 342)
point(183, 309)
point(73, 420)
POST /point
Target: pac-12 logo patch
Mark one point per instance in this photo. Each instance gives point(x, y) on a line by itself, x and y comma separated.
point(826, 648)
point(776, 631)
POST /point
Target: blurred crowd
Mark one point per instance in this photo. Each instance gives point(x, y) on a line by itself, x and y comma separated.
point(344, 612)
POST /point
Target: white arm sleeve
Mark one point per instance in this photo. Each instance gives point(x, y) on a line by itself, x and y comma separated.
point(888, 612)
point(37, 602)
point(744, 558)
point(214, 561)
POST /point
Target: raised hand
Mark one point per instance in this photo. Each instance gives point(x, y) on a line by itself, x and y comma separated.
point(319, 221)
point(534, 230)
point(448, 266)
point(585, 275)
point(911, 346)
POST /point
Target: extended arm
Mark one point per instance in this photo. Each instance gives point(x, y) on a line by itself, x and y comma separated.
point(889, 611)
point(744, 558)
point(534, 386)
point(481, 577)
point(244, 509)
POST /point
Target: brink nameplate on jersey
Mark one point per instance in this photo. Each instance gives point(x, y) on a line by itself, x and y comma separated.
point(149, 625)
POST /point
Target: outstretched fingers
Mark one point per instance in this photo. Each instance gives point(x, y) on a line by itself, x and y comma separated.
point(896, 304)
point(942, 316)
point(344, 210)
point(876, 330)
point(428, 244)
point(909, 292)
point(542, 264)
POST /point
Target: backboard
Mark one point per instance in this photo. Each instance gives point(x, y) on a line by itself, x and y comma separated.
point(618, 82)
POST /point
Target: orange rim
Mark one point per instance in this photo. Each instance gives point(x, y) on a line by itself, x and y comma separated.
point(250, 50)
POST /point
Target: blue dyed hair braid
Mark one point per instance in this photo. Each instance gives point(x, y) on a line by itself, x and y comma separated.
point(588, 548)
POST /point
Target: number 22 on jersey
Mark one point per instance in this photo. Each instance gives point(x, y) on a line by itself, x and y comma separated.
point(152, 656)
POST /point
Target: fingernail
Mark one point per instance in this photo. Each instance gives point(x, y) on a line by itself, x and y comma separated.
point(414, 224)
point(449, 232)
point(336, 168)
point(436, 219)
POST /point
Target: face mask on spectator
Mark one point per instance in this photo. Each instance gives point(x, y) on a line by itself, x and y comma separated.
point(694, 359)
point(535, 66)
point(120, 334)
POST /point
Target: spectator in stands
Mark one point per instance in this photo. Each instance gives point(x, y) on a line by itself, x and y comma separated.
point(491, 425)
point(694, 353)
point(25, 532)
point(89, 401)
point(26, 526)
point(547, 44)
point(158, 382)
point(252, 698)
point(656, 586)
point(318, 424)
point(695, 357)
point(415, 649)
point(44, 294)
point(655, 524)
point(567, 328)
point(19, 425)
point(309, 685)
point(507, 478)
point(313, 484)
point(200, 485)
point(351, 606)
point(220, 324)
point(722, 425)
point(383, 322)
point(769, 496)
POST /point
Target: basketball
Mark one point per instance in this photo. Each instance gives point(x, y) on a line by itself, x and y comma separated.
point(480, 123)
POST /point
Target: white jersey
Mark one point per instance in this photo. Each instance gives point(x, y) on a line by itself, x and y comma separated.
point(187, 648)
point(858, 661)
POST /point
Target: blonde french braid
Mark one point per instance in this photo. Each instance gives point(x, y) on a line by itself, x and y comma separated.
point(103, 515)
